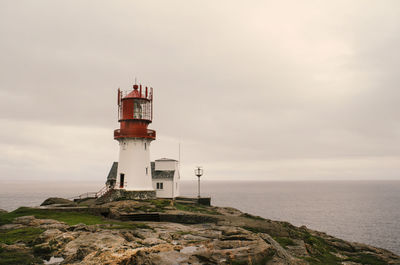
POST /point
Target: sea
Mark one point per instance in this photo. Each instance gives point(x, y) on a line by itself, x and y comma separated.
point(359, 211)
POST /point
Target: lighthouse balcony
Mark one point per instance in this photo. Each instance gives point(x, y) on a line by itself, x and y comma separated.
point(151, 134)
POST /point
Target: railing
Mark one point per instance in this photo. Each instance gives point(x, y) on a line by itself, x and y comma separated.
point(92, 195)
point(141, 91)
point(148, 134)
point(102, 191)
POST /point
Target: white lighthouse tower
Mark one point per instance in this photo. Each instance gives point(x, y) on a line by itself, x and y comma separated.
point(135, 114)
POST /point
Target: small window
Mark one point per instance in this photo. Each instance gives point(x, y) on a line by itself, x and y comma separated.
point(145, 147)
point(160, 185)
point(147, 170)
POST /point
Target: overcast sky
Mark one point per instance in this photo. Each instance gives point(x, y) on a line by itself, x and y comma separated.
point(263, 90)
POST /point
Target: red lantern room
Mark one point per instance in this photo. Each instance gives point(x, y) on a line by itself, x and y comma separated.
point(135, 113)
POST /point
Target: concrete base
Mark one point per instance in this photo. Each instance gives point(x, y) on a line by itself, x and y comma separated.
point(120, 195)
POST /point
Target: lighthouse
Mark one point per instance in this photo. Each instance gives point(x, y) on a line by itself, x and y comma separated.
point(135, 113)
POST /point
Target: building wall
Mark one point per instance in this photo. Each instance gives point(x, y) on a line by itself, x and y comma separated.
point(134, 158)
point(168, 190)
point(166, 165)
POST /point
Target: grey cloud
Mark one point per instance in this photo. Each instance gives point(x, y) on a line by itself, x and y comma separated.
point(235, 83)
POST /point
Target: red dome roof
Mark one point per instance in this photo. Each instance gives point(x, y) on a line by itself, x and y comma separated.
point(134, 94)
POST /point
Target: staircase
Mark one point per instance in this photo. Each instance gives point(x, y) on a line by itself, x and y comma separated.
point(105, 191)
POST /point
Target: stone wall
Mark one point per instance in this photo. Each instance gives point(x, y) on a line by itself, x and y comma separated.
point(202, 200)
point(120, 195)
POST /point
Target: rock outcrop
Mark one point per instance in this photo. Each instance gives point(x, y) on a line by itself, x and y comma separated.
point(233, 238)
point(58, 201)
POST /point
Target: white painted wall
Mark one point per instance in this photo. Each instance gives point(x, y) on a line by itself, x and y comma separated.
point(168, 190)
point(166, 165)
point(134, 158)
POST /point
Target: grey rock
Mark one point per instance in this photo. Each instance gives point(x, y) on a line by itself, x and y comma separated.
point(26, 220)
point(57, 201)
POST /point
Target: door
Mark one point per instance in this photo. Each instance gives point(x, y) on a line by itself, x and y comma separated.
point(121, 180)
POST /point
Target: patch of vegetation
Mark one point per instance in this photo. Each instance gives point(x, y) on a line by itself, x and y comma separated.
point(247, 215)
point(6, 218)
point(13, 257)
point(70, 218)
point(265, 259)
point(197, 208)
point(321, 253)
point(284, 241)
point(26, 235)
point(365, 258)
point(183, 233)
point(126, 225)
point(148, 208)
point(160, 203)
point(194, 241)
point(253, 261)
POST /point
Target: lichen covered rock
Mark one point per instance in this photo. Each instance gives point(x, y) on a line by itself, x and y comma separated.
point(231, 238)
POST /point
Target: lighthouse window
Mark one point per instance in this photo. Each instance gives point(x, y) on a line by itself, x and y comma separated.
point(147, 170)
point(160, 185)
point(137, 110)
point(145, 147)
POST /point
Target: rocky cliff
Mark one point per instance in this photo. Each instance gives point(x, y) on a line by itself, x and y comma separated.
point(193, 234)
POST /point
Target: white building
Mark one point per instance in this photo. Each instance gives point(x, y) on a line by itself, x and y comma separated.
point(165, 176)
point(164, 173)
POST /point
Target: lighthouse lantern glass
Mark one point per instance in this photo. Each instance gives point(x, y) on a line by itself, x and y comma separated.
point(137, 110)
point(142, 109)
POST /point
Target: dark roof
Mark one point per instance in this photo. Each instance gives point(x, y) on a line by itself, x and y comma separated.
point(155, 174)
point(161, 174)
point(112, 175)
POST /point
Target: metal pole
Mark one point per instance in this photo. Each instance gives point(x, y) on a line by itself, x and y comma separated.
point(198, 185)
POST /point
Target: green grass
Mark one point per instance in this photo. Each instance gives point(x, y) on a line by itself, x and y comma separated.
point(14, 257)
point(160, 203)
point(284, 241)
point(70, 218)
point(183, 233)
point(126, 225)
point(156, 205)
point(322, 251)
point(195, 208)
point(26, 235)
point(365, 258)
